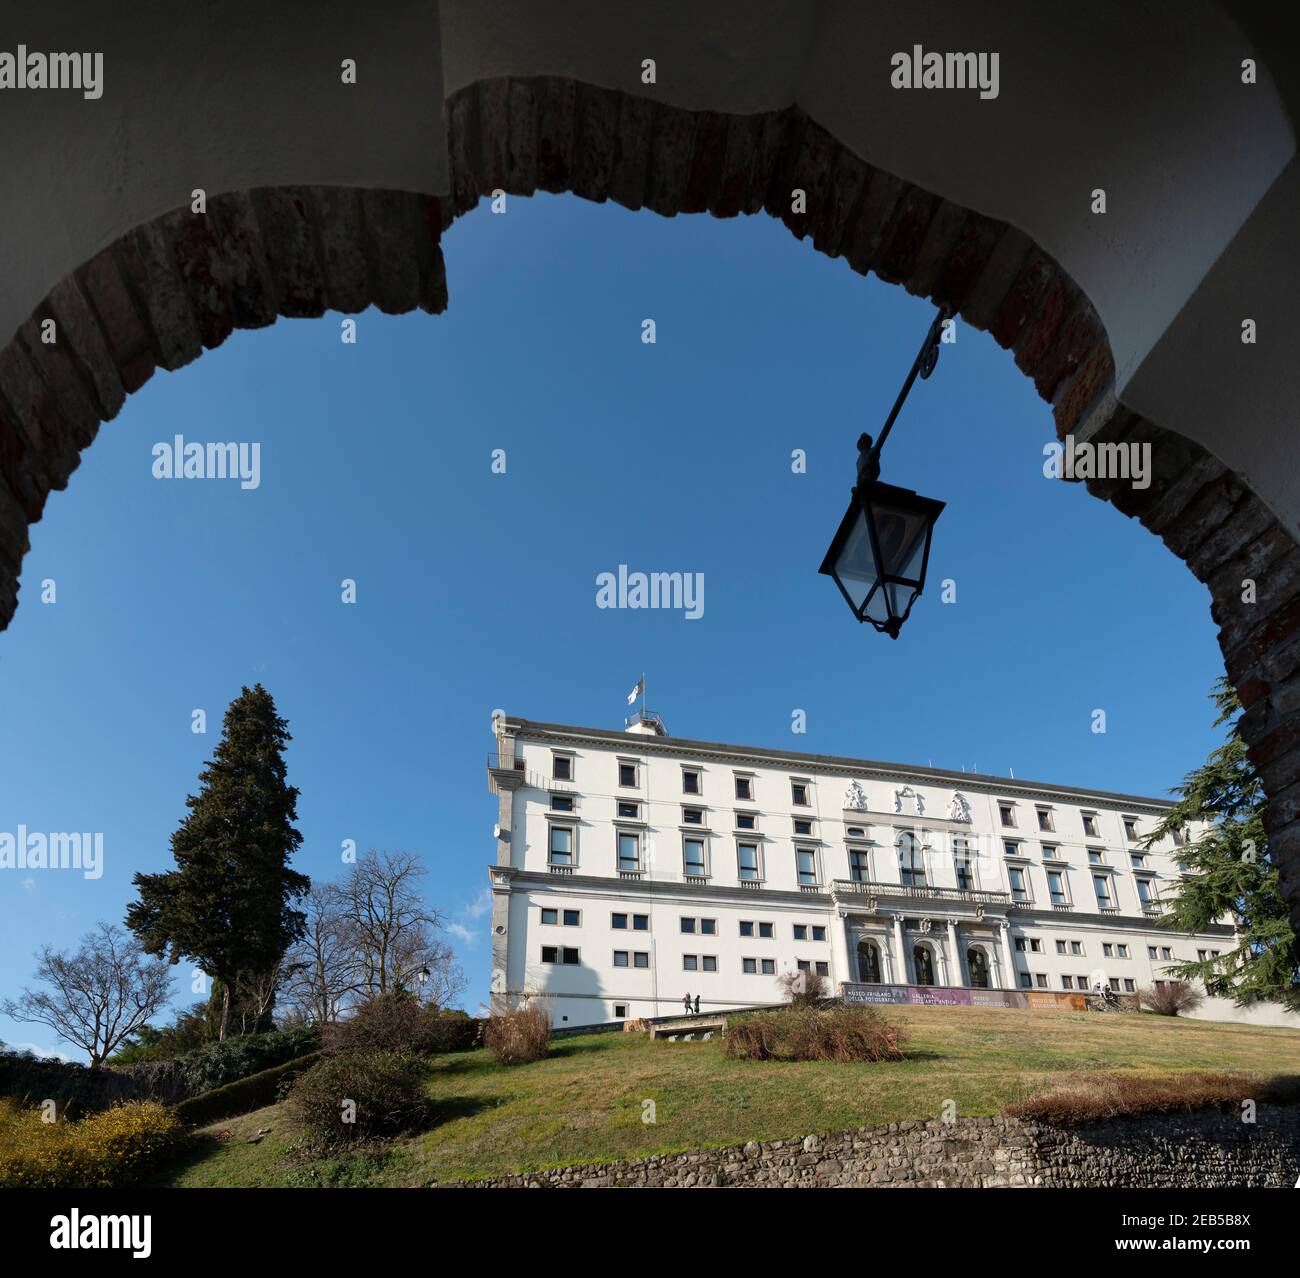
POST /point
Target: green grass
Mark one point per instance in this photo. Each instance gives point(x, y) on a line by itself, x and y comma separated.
point(584, 1103)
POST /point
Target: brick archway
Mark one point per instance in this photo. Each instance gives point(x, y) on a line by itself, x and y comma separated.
point(182, 283)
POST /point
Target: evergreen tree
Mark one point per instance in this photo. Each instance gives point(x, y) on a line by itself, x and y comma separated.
point(1231, 874)
point(228, 904)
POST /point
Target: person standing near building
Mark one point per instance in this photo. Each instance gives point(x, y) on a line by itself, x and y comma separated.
point(697, 1005)
point(686, 1003)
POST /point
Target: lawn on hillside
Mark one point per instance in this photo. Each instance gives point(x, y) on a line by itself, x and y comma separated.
point(585, 1102)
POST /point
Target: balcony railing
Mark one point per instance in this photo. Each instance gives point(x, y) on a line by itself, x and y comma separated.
point(859, 887)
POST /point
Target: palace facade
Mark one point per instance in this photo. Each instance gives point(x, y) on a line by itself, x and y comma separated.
point(633, 868)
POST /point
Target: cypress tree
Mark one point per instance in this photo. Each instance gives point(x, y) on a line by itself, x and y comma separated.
point(228, 904)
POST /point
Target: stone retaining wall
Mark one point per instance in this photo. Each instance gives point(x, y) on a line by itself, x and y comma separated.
point(1207, 1149)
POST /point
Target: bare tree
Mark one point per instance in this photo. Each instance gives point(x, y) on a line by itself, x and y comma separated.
point(101, 994)
point(391, 929)
point(322, 971)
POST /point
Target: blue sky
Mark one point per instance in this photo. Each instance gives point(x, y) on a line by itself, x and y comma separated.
point(477, 590)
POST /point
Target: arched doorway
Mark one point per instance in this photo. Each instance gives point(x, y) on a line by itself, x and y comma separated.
point(977, 964)
point(923, 964)
point(869, 963)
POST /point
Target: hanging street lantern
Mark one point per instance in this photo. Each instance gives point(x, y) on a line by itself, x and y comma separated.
point(880, 552)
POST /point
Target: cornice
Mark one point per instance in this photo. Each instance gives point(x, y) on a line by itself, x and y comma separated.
point(836, 765)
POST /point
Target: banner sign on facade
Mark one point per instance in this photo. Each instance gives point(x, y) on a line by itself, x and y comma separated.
point(859, 995)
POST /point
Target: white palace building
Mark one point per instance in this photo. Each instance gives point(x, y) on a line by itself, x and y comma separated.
point(633, 868)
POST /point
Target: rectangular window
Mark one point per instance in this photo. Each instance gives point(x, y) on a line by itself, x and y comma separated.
point(1041, 979)
point(1056, 887)
point(747, 860)
point(803, 965)
point(640, 922)
point(1180, 838)
point(1045, 820)
point(690, 781)
point(692, 816)
point(1114, 983)
point(1166, 953)
point(618, 921)
point(823, 968)
point(801, 932)
point(627, 774)
point(562, 767)
point(745, 789)
point(1137, 860)
point(560, 954)
point(1024, 979)
point(746, 821)
point(1067, 982)
point(799, 794)
point(769, 967)
point(1018, 890)
point(1021, 944)
point(765, 931)
point(1130, 829)
point(708, 927)
point(803, 827)
point(1094, 857)
point(1035, 945)
point(561, 803)
point(620, 1011)
point(571, 918)
point(1128, 986)
point(1007, 814)
point(1076, 948)
point(1144, 893)
point(749, 966)
point(859, 867)
point(1101, 885)
point(747, 929)
point(965, 878)
point(629, 851)
point(1010, 847)
point(620, 958)
point(1107, 949)
point(550, 916)
point(629, 811)
point(1060, 947)
point(688, 925)
point(690, 962)
point(561, 845)
point(1151, 951)
point(1121, 951)
point(806, 864)
point(641, 958)
point(1049, 852)
point(1090, 824)
point(693, 858)
point(819, 933)
point(710, 962)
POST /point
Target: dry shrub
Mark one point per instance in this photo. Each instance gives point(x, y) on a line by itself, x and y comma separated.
point(1170, 998)
point(108, 1150)
point(1085, 1098)
point(834, 1033)
point(520, 1035)
point(804, 989)
point(398, 1022)
point(356, 1096)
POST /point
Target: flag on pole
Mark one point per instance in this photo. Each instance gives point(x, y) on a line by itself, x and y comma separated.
point(637, 691)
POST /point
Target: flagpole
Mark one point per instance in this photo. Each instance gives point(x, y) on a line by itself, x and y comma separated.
point(643, 694)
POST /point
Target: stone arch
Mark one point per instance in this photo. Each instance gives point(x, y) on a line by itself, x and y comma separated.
point(163, 292)
point(925, 963)
point(979, 966)
point(870, 968)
